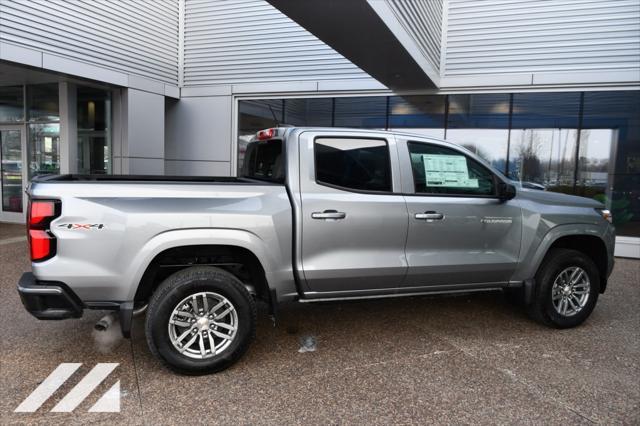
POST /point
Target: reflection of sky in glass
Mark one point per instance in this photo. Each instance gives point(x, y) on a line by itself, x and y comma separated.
point(490, 144)
point(595, 144)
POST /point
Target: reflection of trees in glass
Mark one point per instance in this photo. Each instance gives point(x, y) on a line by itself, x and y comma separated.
point(545, 156)
point(528, 150)
point(478, 151)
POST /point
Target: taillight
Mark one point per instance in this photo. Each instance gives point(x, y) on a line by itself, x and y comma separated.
point(266, 134)
point(42, 242)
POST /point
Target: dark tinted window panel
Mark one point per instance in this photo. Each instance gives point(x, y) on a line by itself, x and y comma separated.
point(259, 114)
point(255, 115)
point(11, 104)
point(94, 130)
point(308, 112)
point(264, 161)
point(485, 111)
point(609, 167)
point(417, 112)
point(546, 110)
point(42, 102)
point(353, 164)
point(362, 112)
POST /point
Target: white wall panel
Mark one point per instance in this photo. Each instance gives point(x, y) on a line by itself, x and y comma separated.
point(132, 36)
point(250, 41)
point(199, 129)
point(138, 137)
point(539, 36)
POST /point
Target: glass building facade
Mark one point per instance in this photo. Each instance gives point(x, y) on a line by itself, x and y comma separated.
point(30, 143)
point(582, 143)
point(43, 118)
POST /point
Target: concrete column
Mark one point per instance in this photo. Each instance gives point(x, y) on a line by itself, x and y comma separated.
point(68, 127)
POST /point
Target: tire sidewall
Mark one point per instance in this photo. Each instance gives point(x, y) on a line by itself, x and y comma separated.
point(551, 271)
point(160, 311)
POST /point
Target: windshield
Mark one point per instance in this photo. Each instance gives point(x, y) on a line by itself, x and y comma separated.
point(264, 160)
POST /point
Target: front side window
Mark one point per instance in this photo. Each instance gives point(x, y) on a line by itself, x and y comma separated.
point(353, 164)
point(441, 170)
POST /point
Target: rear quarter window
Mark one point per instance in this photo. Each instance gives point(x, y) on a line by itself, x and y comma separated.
point(353, 164)
point(264, 160)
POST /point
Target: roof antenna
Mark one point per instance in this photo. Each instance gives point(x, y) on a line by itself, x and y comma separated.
point(274, 116)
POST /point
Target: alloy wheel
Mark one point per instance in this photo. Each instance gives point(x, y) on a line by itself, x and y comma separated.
point(203, 325)
point(570, 291)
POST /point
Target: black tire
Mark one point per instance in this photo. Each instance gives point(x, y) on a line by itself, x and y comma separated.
point(541, 308)
point(181, 285)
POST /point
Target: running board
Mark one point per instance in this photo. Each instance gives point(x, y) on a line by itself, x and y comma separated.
point(394, 295)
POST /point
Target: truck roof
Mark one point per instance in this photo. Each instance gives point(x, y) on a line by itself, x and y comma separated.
point(282, 131)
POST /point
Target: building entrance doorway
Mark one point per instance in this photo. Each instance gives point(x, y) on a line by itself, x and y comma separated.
point(13, 173)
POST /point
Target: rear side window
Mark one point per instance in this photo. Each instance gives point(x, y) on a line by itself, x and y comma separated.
point(440, 170)
point(353, 164)
point(264, 161)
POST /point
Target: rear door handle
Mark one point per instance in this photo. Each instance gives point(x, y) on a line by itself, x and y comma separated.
point(328, 214)
point(430, 215)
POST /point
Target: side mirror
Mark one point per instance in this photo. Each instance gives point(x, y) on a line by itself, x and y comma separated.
point(506, 191)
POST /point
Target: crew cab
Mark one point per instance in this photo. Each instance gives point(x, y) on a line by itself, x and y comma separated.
point(317, 214)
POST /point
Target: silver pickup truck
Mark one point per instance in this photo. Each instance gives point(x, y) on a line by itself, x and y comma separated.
point(316, 215)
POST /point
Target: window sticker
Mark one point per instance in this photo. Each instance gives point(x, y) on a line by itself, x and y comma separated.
point(447, 171)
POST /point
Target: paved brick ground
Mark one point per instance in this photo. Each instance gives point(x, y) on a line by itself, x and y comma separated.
point(468, 359)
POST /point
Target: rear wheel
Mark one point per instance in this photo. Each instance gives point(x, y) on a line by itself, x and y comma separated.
point(200, 320)
point(567, 289)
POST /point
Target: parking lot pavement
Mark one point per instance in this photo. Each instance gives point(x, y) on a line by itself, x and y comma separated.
point(466, 359)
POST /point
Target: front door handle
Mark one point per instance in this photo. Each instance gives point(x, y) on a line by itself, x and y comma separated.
point(430, 215)
point(328, 214)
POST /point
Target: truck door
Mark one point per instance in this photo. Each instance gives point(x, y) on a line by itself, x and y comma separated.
point(460, 233)
point(353, 216)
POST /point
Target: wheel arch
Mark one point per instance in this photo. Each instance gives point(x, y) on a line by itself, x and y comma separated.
point(590, 245)
point(583, 238)
point(201, 247)
point(239, 261)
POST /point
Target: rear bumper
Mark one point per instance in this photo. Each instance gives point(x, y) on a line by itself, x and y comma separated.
point(48, 300)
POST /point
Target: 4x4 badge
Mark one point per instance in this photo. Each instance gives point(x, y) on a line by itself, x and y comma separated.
point(87, 226)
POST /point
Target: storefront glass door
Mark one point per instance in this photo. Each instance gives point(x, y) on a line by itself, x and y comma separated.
point(13, 173)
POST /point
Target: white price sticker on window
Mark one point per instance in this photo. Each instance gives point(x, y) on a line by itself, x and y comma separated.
point(447, 171)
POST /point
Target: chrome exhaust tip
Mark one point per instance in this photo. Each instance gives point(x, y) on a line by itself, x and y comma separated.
point(105, 322)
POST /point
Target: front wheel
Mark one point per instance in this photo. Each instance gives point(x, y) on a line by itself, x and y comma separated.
point(200, 320)
point(567, 289)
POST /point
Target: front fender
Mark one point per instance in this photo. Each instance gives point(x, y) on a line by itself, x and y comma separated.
point(199, 236)
point(533, 257)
